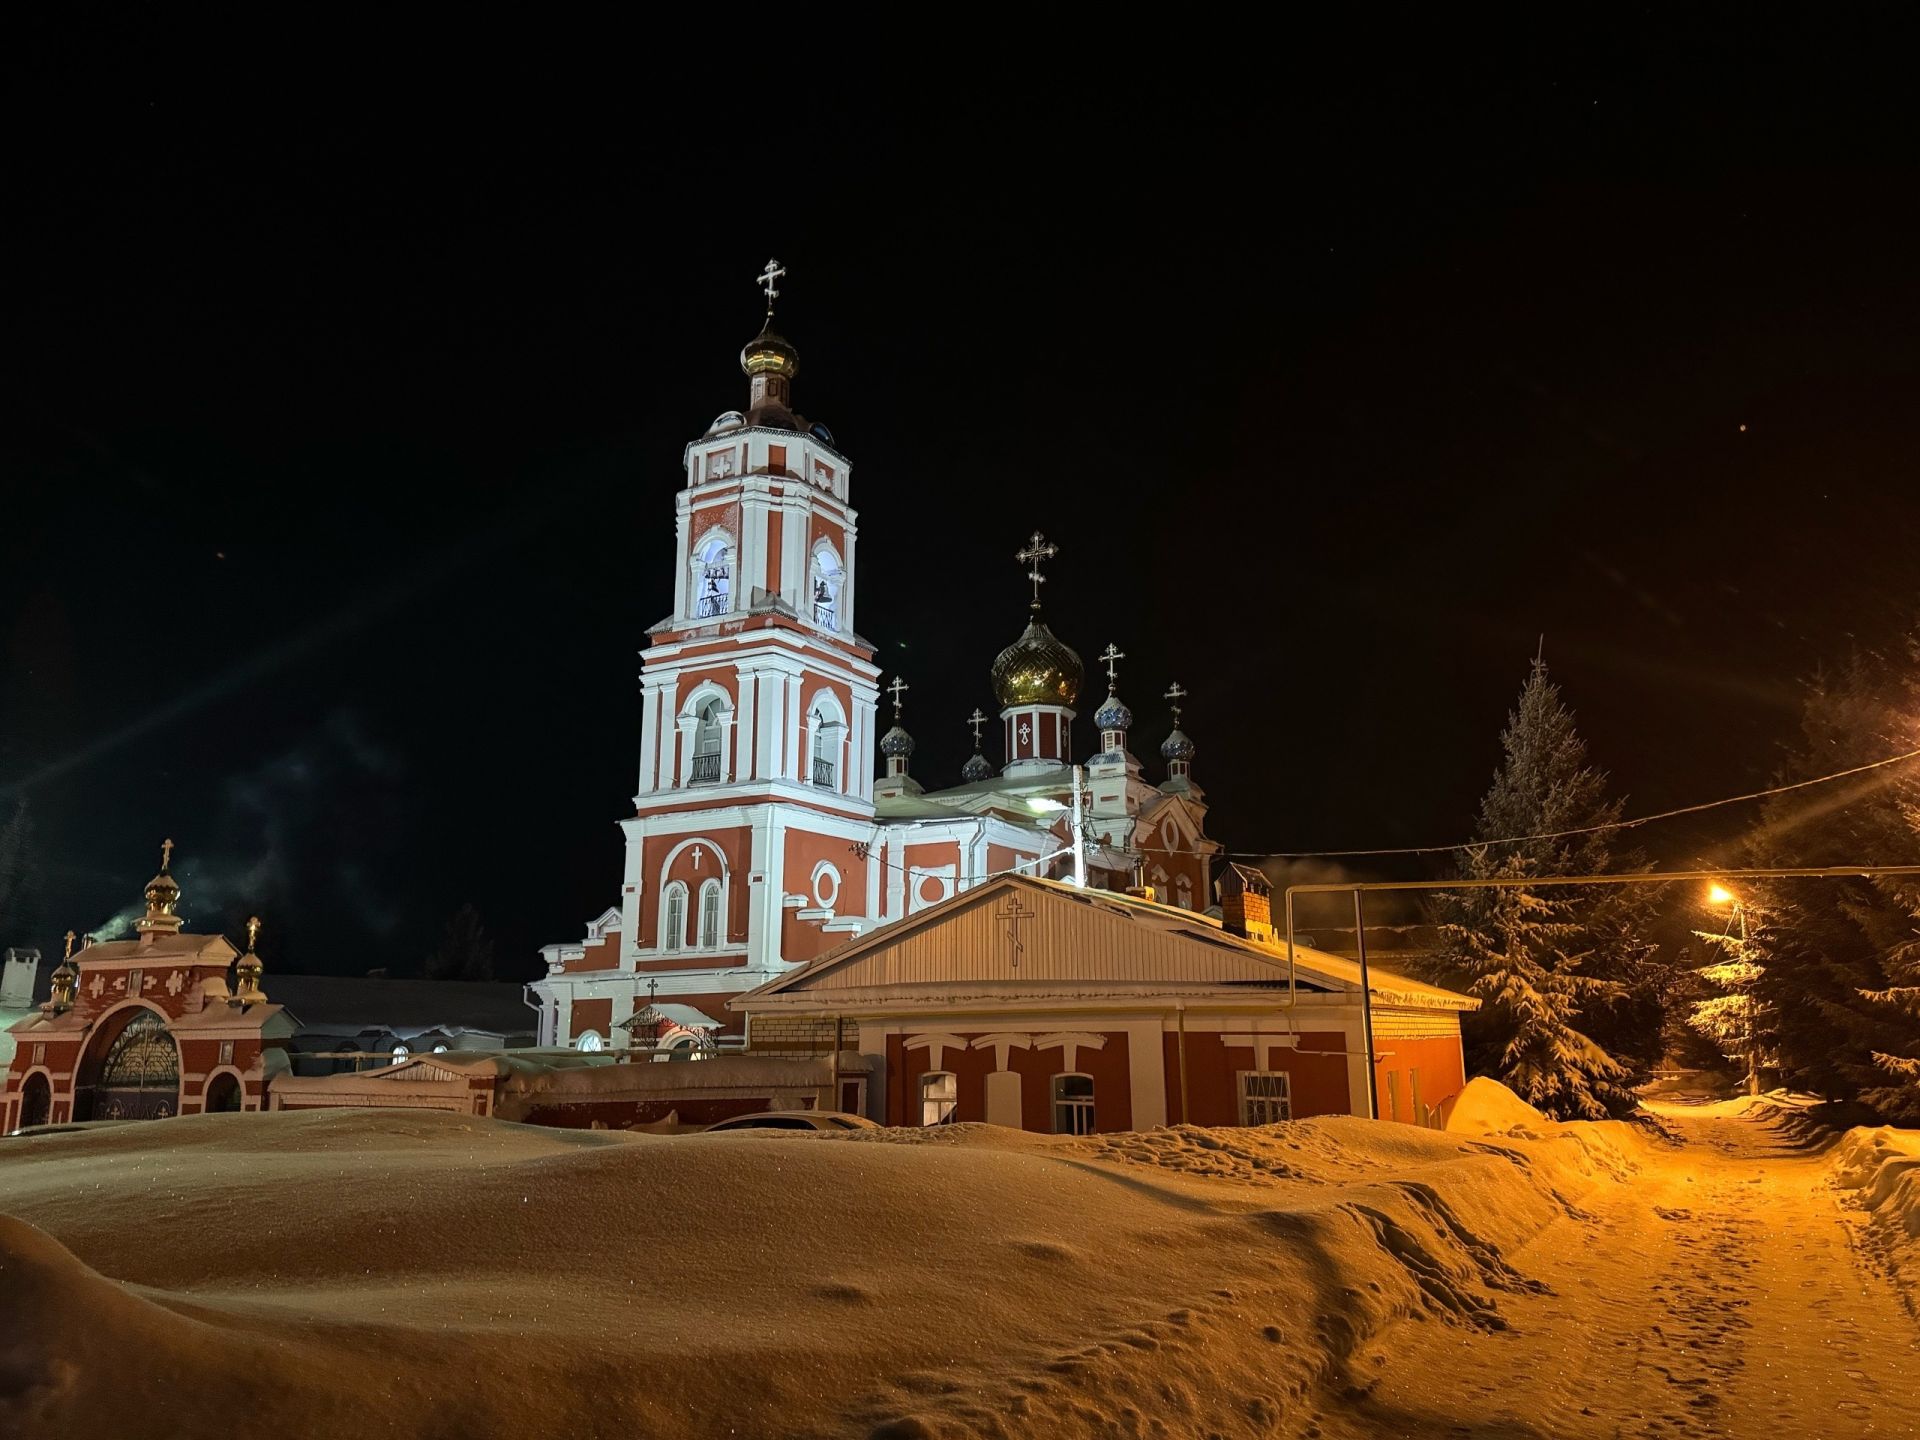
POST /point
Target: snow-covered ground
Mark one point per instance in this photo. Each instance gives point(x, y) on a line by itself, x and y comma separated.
point(381, 1273)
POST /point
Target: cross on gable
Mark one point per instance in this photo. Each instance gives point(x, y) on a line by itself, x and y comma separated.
point(773, 272)
point(1013, 912)
point(1031, 554)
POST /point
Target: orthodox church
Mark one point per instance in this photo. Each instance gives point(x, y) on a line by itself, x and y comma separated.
point(764, 834)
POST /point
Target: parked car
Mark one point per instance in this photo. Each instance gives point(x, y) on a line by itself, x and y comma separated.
point(830, 1121)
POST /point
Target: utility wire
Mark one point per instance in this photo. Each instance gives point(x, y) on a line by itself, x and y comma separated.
point(1583, 830)
point(871, 848)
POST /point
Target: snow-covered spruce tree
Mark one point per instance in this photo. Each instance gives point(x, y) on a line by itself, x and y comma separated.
point(1550, 966)
point(1730, 1017)
point(1840, 955)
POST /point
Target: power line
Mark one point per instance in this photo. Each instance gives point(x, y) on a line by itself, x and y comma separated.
point(868, 849)
point(1569, 834)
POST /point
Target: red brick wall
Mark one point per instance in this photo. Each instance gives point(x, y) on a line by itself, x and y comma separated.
point(602, 954)
point(594, 1014)
point(1112, 1081)
point(734, 843)
point(1318, 1083)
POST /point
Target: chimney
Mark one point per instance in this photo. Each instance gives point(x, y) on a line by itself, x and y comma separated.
point(1246, 902)
point(16, 981)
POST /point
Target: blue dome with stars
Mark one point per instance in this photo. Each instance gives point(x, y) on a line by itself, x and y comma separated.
point(896, 742)
point(1177, 746)
point(1113, 715)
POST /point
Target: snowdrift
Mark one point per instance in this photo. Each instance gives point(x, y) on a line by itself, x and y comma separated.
point(1486, 1107)
point(298, 1273)
point(1881, 1167)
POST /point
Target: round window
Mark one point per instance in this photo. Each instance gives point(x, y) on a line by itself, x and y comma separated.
point(826, 885)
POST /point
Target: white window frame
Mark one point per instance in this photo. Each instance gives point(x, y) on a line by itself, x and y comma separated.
point(1266, 1096)
point(589, 1042)
point(1072, 1114)
point(713, 901)
point(673, 916)
point(939, 1109)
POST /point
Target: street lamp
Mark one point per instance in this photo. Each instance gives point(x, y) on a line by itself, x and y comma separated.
point(1718, 894)
point(1041, 805)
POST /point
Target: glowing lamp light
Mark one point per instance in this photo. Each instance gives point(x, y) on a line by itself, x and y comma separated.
point(1040, 805)
point(1718, 894)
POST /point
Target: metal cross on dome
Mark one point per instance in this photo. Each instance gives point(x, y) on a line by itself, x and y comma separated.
point(897, 689)
point(1037, 549)
point(1112, 655)
point(253, 930)
point(166, 853)
point(773, 272)
point(1175, 694)
point(975, 721)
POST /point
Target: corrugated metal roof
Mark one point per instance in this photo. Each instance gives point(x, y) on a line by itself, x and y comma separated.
point(1016, 932)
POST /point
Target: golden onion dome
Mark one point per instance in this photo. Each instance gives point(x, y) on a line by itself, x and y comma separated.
point(770, 354)
point(1037, 669)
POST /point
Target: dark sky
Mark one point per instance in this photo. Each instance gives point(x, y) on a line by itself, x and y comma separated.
point(346, 417)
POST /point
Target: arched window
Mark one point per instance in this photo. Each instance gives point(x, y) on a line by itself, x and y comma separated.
point(673, 916)
point(1073, 1104)
point(589, 1041)
point(827, 725)
point(713, 578)
point(401, 1052)
point(707, 740)
point(939, 1097)
point(825, 581)
point(710, 915)
point(826, 751)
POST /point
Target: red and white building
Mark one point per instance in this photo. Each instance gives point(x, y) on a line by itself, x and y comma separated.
point(1049, 1007)
point(146, 1028)
point(762, 835)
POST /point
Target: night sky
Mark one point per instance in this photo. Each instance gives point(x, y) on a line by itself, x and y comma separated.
point(345, 422)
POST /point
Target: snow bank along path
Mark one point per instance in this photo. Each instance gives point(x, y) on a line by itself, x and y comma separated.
point(376, 1272)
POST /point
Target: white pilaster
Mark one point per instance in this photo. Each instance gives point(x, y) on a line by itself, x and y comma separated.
point(745, 732)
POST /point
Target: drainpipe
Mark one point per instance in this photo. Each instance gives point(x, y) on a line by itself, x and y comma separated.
point(1180, 1014)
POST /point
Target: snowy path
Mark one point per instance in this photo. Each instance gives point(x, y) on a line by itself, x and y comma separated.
point(1719, 1294)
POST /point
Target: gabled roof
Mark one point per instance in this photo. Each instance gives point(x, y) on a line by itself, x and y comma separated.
point(1068, 943)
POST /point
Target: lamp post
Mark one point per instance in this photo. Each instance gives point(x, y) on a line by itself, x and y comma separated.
point(1718, 894)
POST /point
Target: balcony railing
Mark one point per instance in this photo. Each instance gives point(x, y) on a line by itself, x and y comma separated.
point(823, 773)
point(706, 770)
point(708, 606)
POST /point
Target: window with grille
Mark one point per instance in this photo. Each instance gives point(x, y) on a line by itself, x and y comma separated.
point(1265, 1097)
point(713, 579)
point(707, 743)
point(1073, 1104)
point(939, 1097)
